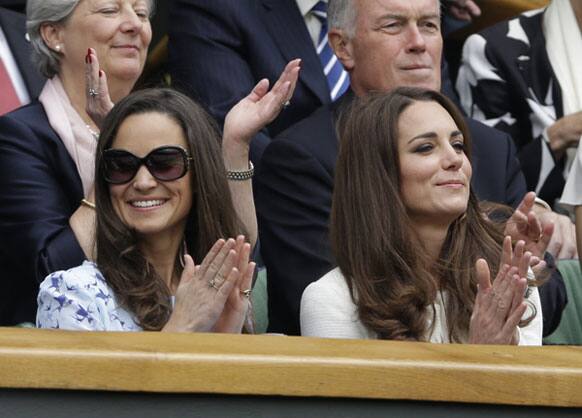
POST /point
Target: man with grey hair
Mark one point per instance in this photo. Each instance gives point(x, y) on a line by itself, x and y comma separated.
point(383, 44)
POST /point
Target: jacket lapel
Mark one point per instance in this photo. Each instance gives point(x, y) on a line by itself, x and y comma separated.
point(285, 24)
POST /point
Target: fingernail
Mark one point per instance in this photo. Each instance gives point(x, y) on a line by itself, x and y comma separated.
point(100, 73)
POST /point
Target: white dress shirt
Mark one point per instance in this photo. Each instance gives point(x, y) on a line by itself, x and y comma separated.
point(313, 24)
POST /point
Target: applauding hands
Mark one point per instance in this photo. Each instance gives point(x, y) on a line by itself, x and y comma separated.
point(214, 296)
point(500, 306)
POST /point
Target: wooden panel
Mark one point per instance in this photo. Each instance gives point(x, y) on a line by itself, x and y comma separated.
point(289, 366)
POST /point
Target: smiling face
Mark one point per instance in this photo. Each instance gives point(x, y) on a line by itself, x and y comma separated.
point(435, 172)
point(152, 207)
point(119, 31)
point(396, 43)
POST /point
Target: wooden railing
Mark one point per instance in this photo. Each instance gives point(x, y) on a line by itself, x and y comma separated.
point(289, 366)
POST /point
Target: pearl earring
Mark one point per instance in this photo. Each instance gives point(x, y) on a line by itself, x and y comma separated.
point(58, 48)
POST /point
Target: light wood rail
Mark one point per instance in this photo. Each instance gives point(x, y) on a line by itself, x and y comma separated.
point(289, 366)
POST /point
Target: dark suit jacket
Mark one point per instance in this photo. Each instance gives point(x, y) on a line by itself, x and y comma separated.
point(17, 5)
point(13, 26)
point(293, 194)
point(40, 189)
point(219, 49)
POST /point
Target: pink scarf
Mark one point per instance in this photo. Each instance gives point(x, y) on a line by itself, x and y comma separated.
point(73, 131)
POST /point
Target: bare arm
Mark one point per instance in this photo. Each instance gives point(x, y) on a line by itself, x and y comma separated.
point(242, 123)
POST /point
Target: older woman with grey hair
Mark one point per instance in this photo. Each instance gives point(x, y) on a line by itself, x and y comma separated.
point(92, 51)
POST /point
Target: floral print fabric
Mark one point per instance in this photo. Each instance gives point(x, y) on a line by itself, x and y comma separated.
point(80, 299)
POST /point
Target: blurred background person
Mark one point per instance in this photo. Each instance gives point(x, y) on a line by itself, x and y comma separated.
point(523, 76)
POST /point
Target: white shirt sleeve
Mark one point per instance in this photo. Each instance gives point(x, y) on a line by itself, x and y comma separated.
point(532, 333)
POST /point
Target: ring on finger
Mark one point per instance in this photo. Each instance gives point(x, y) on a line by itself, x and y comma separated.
point(212, 283)
point(287, 103)
point(246, 293)
point(93, 92)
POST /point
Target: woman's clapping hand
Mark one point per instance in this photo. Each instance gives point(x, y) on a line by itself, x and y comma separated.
point(204, 290)
point(499, 306)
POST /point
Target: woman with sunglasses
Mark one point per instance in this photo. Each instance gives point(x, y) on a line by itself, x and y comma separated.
point(47, 149)
point(164, 215)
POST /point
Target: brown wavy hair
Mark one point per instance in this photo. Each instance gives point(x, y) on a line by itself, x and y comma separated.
point(391, 279)
point(137, 286)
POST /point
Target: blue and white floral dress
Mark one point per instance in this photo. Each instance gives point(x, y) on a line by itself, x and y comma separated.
point(80, 299)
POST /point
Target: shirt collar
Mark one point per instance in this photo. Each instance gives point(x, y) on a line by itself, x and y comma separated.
point(305, 6)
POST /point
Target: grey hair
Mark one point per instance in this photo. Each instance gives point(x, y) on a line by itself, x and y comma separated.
point(342, 14)
point(39, 12)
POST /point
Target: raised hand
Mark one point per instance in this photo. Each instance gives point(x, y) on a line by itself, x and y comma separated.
point(525, 225)
point(238, 303)
point(96, 90)
point(463, 9)
point(565, 133)
point(499, 306)
point(204, 289)
point(261, 106)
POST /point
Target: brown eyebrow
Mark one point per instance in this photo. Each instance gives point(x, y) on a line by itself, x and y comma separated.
point(425, 135)
point(432, 135)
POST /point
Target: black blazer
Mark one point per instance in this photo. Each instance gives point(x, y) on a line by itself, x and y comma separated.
point(219, 49)
point(14, 27)
point(40, 189)
point(293, 195)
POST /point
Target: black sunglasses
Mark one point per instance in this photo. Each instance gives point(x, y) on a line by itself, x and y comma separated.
point(164, 163)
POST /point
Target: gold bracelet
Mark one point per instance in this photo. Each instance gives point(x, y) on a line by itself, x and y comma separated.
point(87, 203)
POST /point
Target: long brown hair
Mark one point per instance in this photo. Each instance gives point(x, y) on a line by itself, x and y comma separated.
point(136, 284)
point(391, 279)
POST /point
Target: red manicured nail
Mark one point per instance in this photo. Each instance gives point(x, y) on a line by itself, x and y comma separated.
point(100, 73)
point(88, 57)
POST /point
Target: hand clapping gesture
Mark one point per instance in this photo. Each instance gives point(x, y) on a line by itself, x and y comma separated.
point(526, 226)
point(204, 290)
point(499, 306)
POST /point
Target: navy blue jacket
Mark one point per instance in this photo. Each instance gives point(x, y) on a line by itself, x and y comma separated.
point(219, 49)
point(40, 189)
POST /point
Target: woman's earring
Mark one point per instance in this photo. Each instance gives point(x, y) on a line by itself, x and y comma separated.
point(58, 48)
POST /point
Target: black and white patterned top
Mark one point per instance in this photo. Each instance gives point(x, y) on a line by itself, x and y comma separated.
point(506, 81)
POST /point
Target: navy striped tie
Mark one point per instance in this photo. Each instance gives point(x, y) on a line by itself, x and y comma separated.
point(337, 79)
